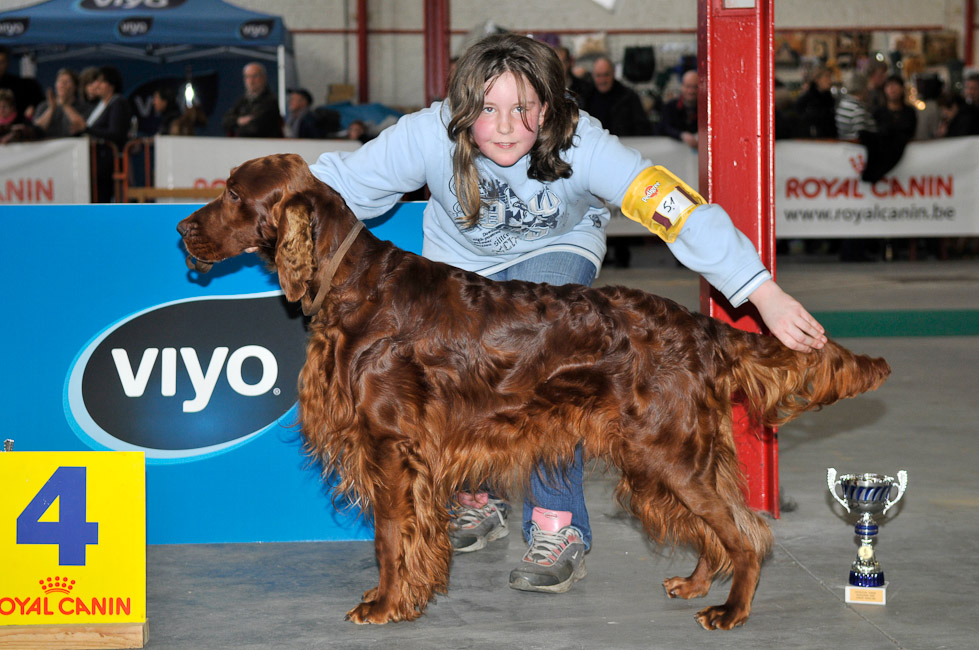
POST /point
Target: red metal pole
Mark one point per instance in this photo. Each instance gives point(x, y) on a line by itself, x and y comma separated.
point(363, 76)
point(736, 133)
point(437, 27)
point(969, 34)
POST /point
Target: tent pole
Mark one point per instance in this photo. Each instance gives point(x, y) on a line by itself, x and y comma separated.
point(280, 52)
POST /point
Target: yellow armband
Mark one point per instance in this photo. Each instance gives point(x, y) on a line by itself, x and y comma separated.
point(660, 201)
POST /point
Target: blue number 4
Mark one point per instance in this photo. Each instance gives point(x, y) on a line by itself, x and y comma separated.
point(71, 533)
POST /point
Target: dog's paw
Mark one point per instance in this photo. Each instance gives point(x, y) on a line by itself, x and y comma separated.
point(722, 617)
point(685, 588)
point(372, 612)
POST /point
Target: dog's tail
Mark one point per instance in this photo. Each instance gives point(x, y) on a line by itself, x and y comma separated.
point(778, 384)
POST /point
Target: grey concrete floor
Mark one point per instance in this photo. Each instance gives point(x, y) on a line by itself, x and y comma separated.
point(294, 596)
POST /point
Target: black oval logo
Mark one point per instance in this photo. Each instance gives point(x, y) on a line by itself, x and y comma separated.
point(191, 378)
point(116, 5)
point(14, 27)
point(256, 29)
point(136, 26)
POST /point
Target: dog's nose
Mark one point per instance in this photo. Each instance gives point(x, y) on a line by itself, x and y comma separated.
point(183, 227)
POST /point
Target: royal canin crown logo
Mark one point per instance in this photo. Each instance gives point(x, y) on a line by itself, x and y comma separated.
point(651, 191)
point(56, 585)
point(67, 605)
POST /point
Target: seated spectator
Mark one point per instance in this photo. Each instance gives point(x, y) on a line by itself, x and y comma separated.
point(256, 113)
point(579, 84)
point(614, 104)
point(189, 121)
point(14, 127)
point(679, 118)
point(970, 89)
point(110, 121)
point(27, 92)
point(816, 106)
point(958, 118)
point(165, 110)
point(60, 115)
point(300, 121)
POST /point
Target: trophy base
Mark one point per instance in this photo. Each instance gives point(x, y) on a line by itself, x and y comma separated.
point(867, 595)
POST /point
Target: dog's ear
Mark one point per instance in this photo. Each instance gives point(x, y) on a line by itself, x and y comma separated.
point(295, 257)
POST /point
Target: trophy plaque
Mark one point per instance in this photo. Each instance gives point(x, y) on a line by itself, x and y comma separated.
point(866, 495)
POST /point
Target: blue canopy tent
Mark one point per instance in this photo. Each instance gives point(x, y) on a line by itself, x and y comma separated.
point(159, 42)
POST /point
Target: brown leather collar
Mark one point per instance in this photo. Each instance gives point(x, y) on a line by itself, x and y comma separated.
point(327, 272)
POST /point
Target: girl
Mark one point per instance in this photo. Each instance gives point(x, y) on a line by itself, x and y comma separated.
point(518, 180)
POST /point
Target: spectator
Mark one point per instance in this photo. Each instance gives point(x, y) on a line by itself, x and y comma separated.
point(14, 127)
point(896, 123)
point(27, 92)
point(816, 107)
point(929, 117)
point(88, 83)
point(852, 114)
point(958, 117)
point(189, 121)
point(300, 121)
point(358, 131)
point(165, 110)
point(876, 73)
point(616, 106)
point(854, 122)
point(679, 120)
point(60, 115)
point(110, 121)
point(579, 85)
point(256, 113)
point(970, 89)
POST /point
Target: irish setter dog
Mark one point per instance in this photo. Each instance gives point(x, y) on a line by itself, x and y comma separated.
point(422, 379)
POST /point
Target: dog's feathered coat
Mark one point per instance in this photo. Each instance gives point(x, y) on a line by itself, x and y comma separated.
point(422, 379)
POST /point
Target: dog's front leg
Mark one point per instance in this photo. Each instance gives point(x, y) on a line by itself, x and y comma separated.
point(411, 543)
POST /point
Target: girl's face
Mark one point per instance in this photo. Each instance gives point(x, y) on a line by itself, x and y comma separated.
point(499, 131)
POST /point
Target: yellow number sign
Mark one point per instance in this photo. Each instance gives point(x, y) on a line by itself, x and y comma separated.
point(72, 538)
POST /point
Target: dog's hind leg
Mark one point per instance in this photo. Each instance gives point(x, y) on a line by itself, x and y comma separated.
point(704, 508)
point(411, 542)
point(696, 585)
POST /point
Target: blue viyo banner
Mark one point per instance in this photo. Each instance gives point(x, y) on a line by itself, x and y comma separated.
point(111, 343)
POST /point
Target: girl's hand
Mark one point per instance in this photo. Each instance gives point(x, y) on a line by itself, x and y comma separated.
point(787, 319)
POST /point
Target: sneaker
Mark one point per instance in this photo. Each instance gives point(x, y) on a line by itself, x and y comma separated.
point(556, 559)
point(478, 521)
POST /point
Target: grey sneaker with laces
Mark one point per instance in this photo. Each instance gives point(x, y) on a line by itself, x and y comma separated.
point(477, 521)
point(556, 558)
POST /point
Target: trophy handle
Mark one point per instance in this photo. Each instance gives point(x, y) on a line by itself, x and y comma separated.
point(902, 485)
point(832, 483)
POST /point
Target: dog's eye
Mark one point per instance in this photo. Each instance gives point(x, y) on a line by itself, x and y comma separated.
point(232, 195)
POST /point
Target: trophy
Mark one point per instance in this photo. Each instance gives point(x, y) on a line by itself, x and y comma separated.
point(868, 495)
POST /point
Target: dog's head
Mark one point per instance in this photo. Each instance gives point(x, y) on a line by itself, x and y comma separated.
point(270, 205)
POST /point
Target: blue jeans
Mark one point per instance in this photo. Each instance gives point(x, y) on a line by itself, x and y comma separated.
point(566, 491)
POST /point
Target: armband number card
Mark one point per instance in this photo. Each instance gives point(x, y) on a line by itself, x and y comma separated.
point(660, 201)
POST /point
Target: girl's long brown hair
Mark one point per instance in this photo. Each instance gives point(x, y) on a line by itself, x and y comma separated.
point(537, 65)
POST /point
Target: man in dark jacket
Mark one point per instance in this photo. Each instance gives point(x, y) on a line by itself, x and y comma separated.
point(256, 114)
point(616, 106)
point(679, 120)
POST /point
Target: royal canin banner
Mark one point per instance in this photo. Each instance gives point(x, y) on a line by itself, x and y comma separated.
point(932, 192)
point(206, 162)
point(49, 172)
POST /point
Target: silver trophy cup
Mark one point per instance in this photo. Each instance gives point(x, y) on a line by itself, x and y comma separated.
point(867, 495)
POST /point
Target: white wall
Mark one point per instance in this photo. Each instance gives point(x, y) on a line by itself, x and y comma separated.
point(396, 59)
